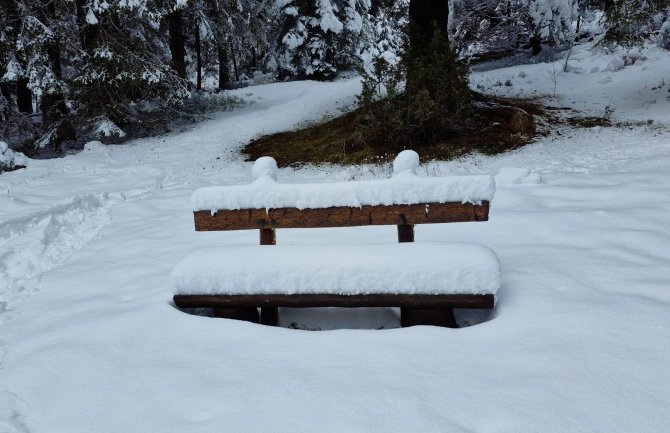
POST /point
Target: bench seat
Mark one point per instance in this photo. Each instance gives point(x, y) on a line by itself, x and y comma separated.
point(425, 268)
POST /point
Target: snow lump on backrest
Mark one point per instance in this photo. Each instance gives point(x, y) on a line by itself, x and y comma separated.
point(406, 161)
point(265, 166)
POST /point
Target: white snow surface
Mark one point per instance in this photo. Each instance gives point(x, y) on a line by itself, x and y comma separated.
point(405, 188)
point(89, 340)
point(516, 175)
point(429, 268)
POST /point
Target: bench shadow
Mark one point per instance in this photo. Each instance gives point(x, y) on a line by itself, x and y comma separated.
point(331, 318)
point(325, 319)
point(466, 317)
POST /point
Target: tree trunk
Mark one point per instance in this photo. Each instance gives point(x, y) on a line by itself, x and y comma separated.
point(24, 97)
point(198, 57)
point(52, 104)
point(535, 45)
point(237, 73)
point(7, 15)
point(224, 80)
point(423, 16)
point(89, 34)
point(53, 48)
point(6, 92)
point(214, 12)
point(177, 49)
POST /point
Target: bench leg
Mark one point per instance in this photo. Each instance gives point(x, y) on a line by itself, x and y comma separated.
point(249, 314)
point(270, 316)
point(427, 316)
point(445, 317)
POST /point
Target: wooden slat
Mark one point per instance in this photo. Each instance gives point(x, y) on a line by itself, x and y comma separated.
point(249, 314)
point(325, 300)
point(426, 213)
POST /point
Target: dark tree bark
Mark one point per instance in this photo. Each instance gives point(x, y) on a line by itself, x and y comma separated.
point(535, 44)
point(224, 79)
point(53, 49)
point(221, 43)
point(237, 74)
point(24, 97)
point(177, 50)
point(198, 57)
point(423, 15)
point(89, 34)
point(6, 91)
point(54, 111)
point(9, 17)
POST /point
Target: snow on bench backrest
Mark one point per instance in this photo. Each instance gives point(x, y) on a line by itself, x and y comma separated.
point(404, 188)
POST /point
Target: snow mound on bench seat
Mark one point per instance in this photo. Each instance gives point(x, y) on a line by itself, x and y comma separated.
point(405, 268)
point(405, 188)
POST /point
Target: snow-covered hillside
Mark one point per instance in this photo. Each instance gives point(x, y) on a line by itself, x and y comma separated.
point(89, 340)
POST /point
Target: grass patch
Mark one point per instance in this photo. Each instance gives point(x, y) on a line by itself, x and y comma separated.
point(497, 125)
point(589, 122)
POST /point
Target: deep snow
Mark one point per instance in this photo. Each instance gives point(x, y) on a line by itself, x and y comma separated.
point(579, 341)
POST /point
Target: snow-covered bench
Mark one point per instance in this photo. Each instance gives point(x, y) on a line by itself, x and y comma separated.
point(425, 279)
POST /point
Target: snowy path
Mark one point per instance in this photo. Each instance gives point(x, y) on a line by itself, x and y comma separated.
point(90, 342)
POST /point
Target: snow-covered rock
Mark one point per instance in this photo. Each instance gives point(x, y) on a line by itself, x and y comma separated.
point(616, 64)
point(10, 159)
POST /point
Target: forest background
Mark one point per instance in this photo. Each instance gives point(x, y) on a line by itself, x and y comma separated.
point(72, 71)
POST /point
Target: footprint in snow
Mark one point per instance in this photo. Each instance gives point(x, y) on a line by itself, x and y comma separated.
point(12, 413)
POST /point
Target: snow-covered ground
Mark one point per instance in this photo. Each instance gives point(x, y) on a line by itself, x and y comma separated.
point(89, 341)
point(624, 85)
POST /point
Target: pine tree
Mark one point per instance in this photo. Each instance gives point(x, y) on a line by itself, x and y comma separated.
point(494, 28)
point(318, 37)
point(435, 100)
point(124, 75)
point(490, 28)
point(552, 20)
point(112, 69)
point(630, 22)
point(385, 34)
point(14, 123)
point(33, 65)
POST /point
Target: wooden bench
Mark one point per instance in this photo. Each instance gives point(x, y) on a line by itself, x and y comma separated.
point(222, 279)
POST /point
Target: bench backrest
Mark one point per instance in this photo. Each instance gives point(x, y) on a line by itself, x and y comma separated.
point(404, 200)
